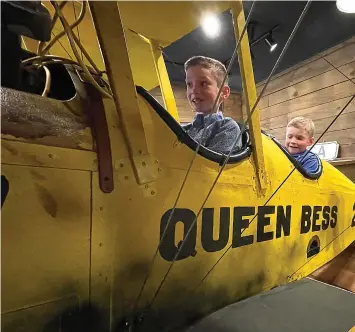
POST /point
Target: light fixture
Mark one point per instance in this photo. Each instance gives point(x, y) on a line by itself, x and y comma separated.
point(346, 6)
point(270, 42)
point(211, 25)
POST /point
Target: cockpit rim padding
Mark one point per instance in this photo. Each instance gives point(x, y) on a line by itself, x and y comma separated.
point(311, 176)
point(189, 141)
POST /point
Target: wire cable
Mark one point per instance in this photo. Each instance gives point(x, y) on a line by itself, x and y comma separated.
point(77, 56)
point(189, 168)
point(278, 188)
point(47, 85)
point(226, 160)
point(62, 33)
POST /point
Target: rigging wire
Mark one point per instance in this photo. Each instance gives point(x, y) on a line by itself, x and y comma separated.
point(36, 61)
point(190, 165)
point(54, 20)
point(72, 41)
point(65, 50)
point(277, 189)
point(226, 160)
point(49, 59)
point(63, 33)
point(77, 40)
point(292, 274)
point(77, 27)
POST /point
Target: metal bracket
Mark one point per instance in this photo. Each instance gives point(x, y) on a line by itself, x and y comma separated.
point(121, 81)
point(94, 107)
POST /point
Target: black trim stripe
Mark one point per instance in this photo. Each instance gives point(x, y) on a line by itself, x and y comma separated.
point(214, 156)
point(190, 142)
point(297, 165)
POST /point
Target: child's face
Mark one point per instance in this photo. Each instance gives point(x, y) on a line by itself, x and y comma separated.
point(202, 89)
point(297, 140)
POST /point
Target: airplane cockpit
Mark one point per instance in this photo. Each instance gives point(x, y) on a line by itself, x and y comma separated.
point(33, 20)
point(184, 138)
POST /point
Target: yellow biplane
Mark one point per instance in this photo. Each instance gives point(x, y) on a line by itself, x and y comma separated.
point(112, 216)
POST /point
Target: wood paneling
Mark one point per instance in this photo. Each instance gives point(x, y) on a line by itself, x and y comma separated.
point(232, 106)
point(348, 151)
point(345, 136)
point(318, 89)
point(330, 109)
point(337, 47)
point(319, 82)
point(305, 63)
point(340, 271)
point(298, 75)
point(324, 96)
point(342, 56)
point(348, 70)
point(289, 70)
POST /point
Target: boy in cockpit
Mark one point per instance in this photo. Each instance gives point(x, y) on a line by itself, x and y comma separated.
point(300, 135)
point(204, 77)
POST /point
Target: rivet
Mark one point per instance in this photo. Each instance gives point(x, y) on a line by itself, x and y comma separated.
point(156, 161)
point(159, 169)
point(152, 192)
point(126, 177)
point(50, 155)
point(143, 163)
point(121, 165)
point(146, 186)
point(140, 151)
point(100, 244)
point(101, 208)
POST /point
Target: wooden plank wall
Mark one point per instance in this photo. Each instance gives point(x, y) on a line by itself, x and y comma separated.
point(317, 88)
point(340, 271)
point(232, 106)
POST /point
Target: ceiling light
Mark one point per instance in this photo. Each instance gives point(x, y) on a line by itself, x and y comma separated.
point(271, 43)
point(346, 6)
point(211, 25)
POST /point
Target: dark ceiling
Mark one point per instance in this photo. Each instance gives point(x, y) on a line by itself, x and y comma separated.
point(323, 26)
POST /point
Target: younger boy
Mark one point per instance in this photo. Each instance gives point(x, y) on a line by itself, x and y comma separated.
point(204, 77)
point(299, 135)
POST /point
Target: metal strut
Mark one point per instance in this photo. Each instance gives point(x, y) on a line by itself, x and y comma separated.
point(191, 162)
point(226, 160)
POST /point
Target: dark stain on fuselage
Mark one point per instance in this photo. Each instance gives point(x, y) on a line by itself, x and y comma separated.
point(37, 176)
point(48, 201)
point(9, 148)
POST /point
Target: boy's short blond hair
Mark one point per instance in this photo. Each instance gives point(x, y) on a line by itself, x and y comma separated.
point(218, 68)
point(302, 123)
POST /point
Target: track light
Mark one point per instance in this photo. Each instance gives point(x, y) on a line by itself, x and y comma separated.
point(211, 25)
point(270, 42)
point(346, 6)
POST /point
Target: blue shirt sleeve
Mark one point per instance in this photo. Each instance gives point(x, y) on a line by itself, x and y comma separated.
point(224, 136)
point(311, 162)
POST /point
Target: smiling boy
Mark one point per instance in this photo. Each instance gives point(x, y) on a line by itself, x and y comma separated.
point(204, 77)
point(300, 135)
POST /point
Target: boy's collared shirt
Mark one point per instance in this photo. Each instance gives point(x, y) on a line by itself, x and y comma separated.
point(220, 134)
point(309, 162)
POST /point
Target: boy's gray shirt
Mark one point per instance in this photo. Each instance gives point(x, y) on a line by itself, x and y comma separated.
point(220, 134)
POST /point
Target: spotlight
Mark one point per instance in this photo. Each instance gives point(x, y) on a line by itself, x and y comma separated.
point(211, 25)
point(346, 6)
point(271, 43)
